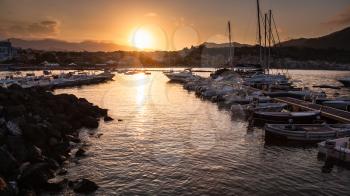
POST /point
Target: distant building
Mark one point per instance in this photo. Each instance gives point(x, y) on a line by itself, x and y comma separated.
point(7, 52)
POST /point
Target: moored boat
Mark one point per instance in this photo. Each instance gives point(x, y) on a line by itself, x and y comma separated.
point(260, 118)
point(345, 81)
point(339, 104)
point(338, 149)
point(182, 77)
point(306, 133)
point(267, 107)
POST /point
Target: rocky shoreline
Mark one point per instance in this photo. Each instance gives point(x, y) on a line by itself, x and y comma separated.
point(37, 133)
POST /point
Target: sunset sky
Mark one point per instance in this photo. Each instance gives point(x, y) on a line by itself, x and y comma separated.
point(165, 24)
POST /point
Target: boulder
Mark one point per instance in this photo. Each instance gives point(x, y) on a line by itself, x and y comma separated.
point(13, 128)
point(108, 118)
point(55, 186)
point(62, 171)
point(80, 153)
point(15, 111)
point(73, 139)
point(83, 186)
point(90, 122)
point(8, 163)
point(36, 175)
point(22, 150)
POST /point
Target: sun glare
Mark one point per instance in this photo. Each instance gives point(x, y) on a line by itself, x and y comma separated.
point(142, 39)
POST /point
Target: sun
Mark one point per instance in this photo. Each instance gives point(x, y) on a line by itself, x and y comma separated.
point(142, 39)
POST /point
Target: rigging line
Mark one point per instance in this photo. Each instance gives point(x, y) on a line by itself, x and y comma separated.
point(278, 37)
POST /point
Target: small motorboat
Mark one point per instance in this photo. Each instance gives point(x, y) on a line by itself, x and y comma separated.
point(132, 72)
point(345, 81)
point(308, 133)
point(326, 86)
point(266, 107)
point(338, 149)
point(338, 104)
point(182, 77)
point(303, 95)
point(228, 101)
point(260, 118)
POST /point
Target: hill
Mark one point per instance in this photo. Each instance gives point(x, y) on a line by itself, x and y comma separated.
point(60, 45)
point(338, 40)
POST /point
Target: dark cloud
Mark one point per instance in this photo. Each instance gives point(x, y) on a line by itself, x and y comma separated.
point(343, 18)
point(46, 28)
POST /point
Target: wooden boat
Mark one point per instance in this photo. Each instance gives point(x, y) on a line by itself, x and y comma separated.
point(267, 107)
point(338, 149)
point(339, 104)
point(260, 118)
point(308, 133)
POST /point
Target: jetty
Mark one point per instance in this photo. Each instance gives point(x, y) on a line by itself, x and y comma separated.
point(56, 81)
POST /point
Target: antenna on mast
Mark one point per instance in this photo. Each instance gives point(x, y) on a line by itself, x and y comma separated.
point(230, 44)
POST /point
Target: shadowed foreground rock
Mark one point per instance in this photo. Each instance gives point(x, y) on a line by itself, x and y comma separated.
point(36, 132)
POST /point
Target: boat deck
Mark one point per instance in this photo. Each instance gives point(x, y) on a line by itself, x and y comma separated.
point(326, 112)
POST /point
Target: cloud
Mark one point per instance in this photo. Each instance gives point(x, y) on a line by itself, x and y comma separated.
point(45, 28)
point(342, 18)
point(151, 14)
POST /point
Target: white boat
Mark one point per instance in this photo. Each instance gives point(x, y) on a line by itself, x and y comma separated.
point(338, 149)
point(183, 76)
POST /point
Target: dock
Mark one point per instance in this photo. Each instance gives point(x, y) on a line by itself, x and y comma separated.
point(337, 115)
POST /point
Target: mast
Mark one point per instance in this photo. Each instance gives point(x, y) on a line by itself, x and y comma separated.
point(230, 44)
point(270, 37)
point(265, 40)
point(259, 30)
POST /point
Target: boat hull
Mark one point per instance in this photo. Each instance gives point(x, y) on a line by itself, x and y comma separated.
point(261, 118)
point(310, 134)
point(345, 82)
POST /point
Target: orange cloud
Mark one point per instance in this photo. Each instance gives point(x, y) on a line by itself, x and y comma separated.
point(343, 18)
point(46, 28)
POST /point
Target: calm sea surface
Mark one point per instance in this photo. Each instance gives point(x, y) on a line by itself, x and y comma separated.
point(172, 143)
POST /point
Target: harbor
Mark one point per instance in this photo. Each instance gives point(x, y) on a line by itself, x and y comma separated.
point(244, 97)
point(199, 138)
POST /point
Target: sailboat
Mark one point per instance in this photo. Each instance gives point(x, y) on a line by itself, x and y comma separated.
point(266, 79)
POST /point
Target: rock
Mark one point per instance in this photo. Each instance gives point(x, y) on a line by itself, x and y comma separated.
point(53, 141)
point(4, 189)
point(22, 150)
point(7, 162)
point(73, 139)
point(36, 175)
point(62, 171)
point(15, 111)
point(80, 153)
point(55, 186)
point(13, 128)
point(99, 135)
point(120, 120)
point(108, 118)
point(83, 186)
point(90, 122)
point(35, 134)
point(8, 189)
